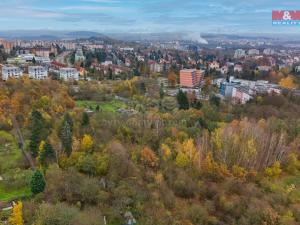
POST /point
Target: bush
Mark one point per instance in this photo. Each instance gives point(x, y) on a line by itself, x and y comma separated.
point(71, 186)
point(274, 171)
point(185, 187)
point(293, 164)
point(198, 214)
point(59, 214)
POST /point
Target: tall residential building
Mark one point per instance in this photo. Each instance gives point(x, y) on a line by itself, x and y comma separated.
point(37, 72)
point(79, 55)
point(69, 45)
point(43, 52)
point(191, 78)
point(253, 52)
point(155, 67)
point(69, 74)
point(7, 45)
point(11, 71)
point(269, 51)
point(239, 53)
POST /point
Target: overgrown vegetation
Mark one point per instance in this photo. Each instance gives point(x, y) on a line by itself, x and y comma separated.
point(171, 162)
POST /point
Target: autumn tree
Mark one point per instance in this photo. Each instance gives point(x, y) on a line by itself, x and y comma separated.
point(249, 144)
point(187, 154)
point(212, 169)
point(148, 157)
point(172, 78)
point(92, 164)
point(293, 164)
point(165, 152)
point(207, 85)
point(16, 217)
point(86, 143)
point(41, 154)
point(182, 160)
point(273, 171)
point(288, 82)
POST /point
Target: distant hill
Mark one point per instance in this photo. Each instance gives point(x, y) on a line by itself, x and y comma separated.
point(48, 34)
point(85, 34)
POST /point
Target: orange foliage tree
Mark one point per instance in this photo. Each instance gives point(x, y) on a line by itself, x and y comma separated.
point(288, 82)
point(148, 157)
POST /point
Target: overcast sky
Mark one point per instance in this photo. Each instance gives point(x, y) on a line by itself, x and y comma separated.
point(218, 16)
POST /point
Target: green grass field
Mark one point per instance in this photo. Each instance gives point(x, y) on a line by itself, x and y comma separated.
point(10, 155)
point(9, 195)
point(10, 168)
point(111, 106)
point(289, 184)
point(291, 180)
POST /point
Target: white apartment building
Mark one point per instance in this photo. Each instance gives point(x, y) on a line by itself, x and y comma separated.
point(37, 72)
point(156, 67)
point(11, 71)
point(69, 74)
point(79, 55)
point(43, 60)
point(253, 52)
point(239, 53)
point(269, 51)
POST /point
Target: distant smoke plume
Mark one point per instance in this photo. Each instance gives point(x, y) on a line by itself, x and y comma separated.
point(196, 37)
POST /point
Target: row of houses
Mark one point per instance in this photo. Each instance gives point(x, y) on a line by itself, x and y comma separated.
point(241, 91)
point(38, 73)
point(238, 67)
point(28, 58)
point(239, 53)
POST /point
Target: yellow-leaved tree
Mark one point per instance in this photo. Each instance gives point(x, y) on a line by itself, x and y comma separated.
point(86, 143)
point(16, 217)
point(187, 154)
point(182, 160)
point(41, 154)
point(273, 171)
point(165, 152)
point(288, 82)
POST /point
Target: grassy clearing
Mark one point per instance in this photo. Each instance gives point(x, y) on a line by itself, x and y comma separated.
point(10, 154)
point(111, 106)
point(9, 159)
point(15, 183)
point(287, 181)
point(9, 195)
point(289, 184)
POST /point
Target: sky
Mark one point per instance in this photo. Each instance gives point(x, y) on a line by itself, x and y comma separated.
point(145, 16)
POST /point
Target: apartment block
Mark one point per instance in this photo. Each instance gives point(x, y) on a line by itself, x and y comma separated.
point(37, 72)
point(191, 78)
point(69, 74)
point(11, 72)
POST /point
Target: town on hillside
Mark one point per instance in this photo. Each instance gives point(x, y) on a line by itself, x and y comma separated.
point(239, 69)
point(158, 112)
